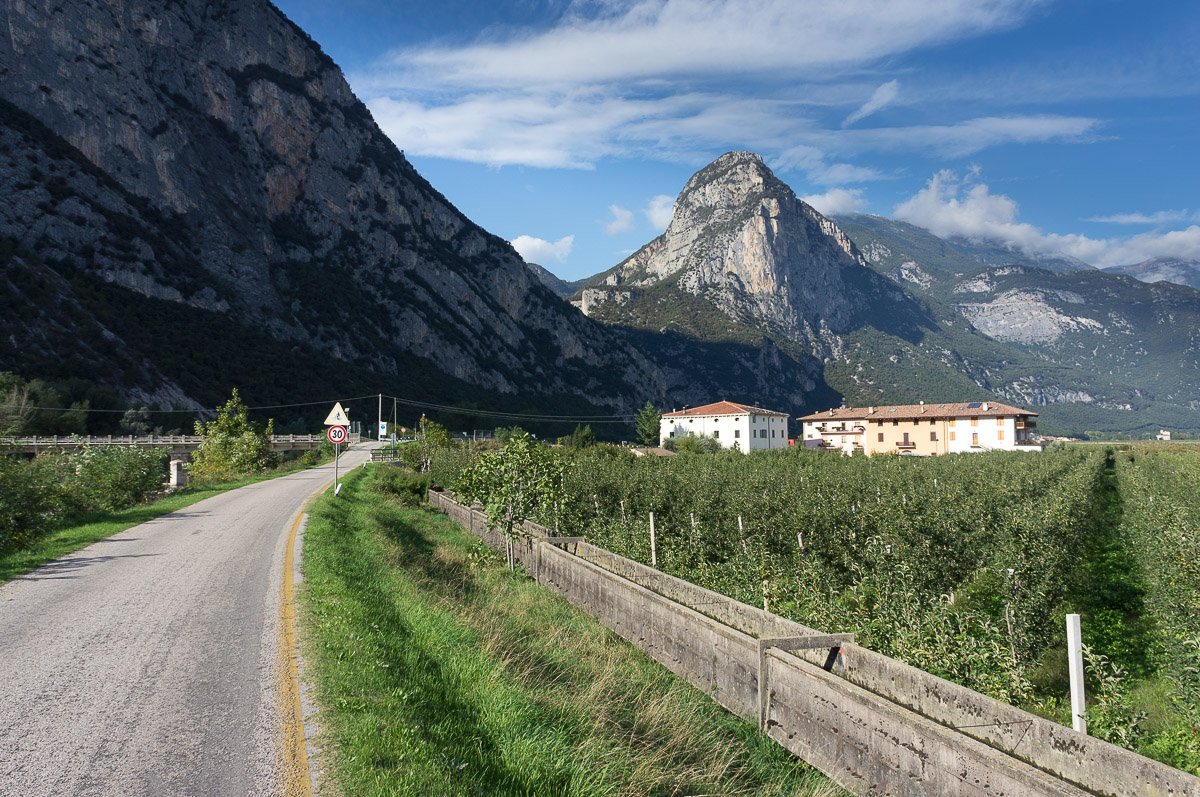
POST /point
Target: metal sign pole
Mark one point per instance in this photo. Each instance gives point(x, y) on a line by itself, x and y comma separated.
point(336, 453)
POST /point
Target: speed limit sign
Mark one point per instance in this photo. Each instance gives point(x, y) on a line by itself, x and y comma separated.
point(336, 434)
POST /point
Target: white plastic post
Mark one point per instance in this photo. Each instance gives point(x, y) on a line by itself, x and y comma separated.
point(337, 487)
point(653, 546)
point(1075, 663)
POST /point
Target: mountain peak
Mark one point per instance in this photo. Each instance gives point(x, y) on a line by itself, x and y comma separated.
point(742, 249)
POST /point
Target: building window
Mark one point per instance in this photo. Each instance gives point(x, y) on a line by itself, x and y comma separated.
point(951, 434)
point(906, 438)
point(716, 434)
point(952, 422)
point(974, 421)
point(895, 423)
point(881, 437)
point(737, 432)
point(999, 421)
point(999, 434)
point(974, 438)
point(933, 437)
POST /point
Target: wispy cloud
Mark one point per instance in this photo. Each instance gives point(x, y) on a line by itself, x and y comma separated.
point(622, 220)
point(667, 79)
point(972, 135)
point(837, 200)
point(540, 251)
point(1156, 218)
point(964, 207)
point(659, 211)
point(883, 96)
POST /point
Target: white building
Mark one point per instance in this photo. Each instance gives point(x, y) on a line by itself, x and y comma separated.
point(1163, 434)
point(733, 425)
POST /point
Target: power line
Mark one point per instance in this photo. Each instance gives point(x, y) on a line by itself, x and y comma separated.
point(514, 416)
point(201, 409)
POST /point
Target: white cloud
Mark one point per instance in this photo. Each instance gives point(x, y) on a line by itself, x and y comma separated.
point(636, 40)
point(659, 211)
point(883, 96)
point(1158, 217)
point(622, 220)
point(950, 206)
point(837, 200)
point(540, 251)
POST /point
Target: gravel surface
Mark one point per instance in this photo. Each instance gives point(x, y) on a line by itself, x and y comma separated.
point(146, 664)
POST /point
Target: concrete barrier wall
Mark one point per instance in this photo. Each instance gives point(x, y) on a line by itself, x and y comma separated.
point(874, 724)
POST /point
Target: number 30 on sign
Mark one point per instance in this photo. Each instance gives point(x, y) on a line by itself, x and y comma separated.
point(336, 434)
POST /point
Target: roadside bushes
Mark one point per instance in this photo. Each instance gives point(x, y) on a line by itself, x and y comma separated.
point(113, 477)
point(407, 487)
point(39, 495)
point(30, 501)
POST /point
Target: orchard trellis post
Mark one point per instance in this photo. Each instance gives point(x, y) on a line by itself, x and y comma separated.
point(1075, 664)
point(653, 545)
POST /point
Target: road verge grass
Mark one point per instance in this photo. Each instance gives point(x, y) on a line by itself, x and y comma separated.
point(438, 673)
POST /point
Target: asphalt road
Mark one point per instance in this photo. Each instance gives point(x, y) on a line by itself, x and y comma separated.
point(147, 664)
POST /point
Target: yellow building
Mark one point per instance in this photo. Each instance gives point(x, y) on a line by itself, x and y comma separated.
point(922, 429)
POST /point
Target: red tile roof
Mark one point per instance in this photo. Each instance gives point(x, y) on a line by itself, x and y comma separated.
point(722, 408)
point(974, 409)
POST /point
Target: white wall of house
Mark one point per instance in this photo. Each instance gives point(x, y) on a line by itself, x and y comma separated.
point(982, 434)
point(747, 432)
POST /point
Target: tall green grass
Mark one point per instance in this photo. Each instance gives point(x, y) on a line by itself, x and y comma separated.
point(438, 673)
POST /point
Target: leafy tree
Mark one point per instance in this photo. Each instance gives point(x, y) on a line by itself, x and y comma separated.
point(513, 484)
point(648, 423)
point(582, 437)
point(232, 446)
point(15, 405)
point(137, 421)
point(430, 437)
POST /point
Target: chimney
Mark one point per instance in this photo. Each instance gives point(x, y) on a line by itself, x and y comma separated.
point(922, 407)
point(985, 406)
point(870, 410)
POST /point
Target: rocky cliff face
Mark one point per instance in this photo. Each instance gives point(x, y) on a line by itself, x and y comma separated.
point(208, 154)
point(741, 243)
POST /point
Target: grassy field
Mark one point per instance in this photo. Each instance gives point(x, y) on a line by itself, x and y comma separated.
point(100, 525)
point(438, 673)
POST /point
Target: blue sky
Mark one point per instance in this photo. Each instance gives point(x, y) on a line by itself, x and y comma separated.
point(568, 126)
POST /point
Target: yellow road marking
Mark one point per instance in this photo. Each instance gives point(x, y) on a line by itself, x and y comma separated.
point(296, 780)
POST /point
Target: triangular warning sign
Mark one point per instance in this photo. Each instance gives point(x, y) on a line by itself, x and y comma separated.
point(337, 416)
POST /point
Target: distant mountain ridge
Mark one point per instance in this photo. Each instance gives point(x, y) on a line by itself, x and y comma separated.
point(1125, 354)
point(1181, 271)
point(559, 286)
